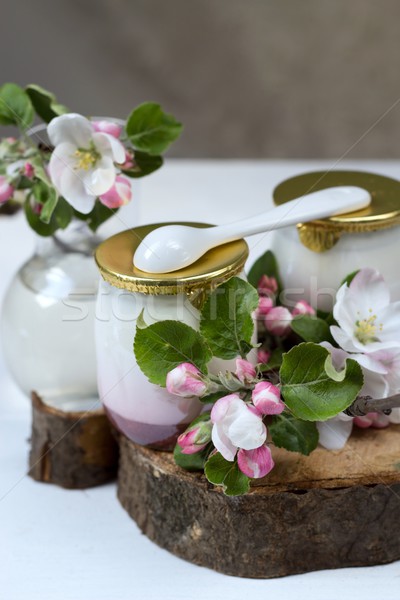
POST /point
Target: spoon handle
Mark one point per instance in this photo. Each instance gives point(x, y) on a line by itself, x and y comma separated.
point(317, 205)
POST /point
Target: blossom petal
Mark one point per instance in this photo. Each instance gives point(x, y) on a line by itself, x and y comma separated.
point(394, 416)
point(221, 407)
point(99, 180)
point(247, 431)
point(223, 444)
point(334, 433)
point(389, 317)
point(61, 158)
point(72, 128)
point(346, 341)
point(370, 289)
point(255, 463)
point(74, 192)
point(107, 144)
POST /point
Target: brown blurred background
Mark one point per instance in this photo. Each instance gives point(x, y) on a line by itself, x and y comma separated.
point(248, 78)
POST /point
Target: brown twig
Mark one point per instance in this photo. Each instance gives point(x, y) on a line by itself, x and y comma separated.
point(365, 404)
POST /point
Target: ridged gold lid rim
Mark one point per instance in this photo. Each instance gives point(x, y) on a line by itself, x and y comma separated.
point(216, 266)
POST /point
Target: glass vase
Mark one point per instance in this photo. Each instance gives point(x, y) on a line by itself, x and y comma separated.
point(47, 322)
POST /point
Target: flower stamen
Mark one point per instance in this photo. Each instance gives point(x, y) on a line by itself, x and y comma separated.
point(366, 330)
point(86, 158)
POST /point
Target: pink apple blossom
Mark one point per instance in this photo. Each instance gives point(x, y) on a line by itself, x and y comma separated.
point(267, 286)
point(107, 127)
point(6, 190)
point(245, 371)
point(266, 397)
point(278, 320)
point(236, 426)
point(29, 170)
point(255, 463)
point(195, 438)
point(186, 381)
point(263, 356)
point(129, 160)
point(303, 308)
point(264, 305)
point(119, 194)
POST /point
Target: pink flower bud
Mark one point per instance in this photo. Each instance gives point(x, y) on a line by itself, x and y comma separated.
point(267, 286)
point(264, 305)
point(129, 160)
point(255, 463)
point(375, 420)
point(119, 194)
point(303, 308)
point(278, 320)
point(29, 170)
point(37, 208)
point(186, 381)
point(245, 371)
point(263, 356)
point(6, 190)
point(107, 127)
point(195, 438)
point(267, 398)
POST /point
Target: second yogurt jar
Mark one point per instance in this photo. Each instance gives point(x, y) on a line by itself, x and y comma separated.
point(315, 257)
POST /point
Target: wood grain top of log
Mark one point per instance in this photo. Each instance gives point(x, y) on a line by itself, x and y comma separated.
point(329, 510)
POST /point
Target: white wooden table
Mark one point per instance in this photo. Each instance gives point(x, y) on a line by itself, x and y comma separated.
point(81, 545)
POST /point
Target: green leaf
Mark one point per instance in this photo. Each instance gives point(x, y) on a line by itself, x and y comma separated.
point(311, 329)
point(265, 265)
point(49, 206)
point(44, 103)
point(332, 372)
point(349, 278)
point(165, 345)
point(60, 218)
point(15, 106)
point(151, 130)
point(191, 462)
point(97, 216)
point(40, 172)
point(144, 164)
point(309, 391)
point(222, 472)
point(293, 434)
point(226, 318)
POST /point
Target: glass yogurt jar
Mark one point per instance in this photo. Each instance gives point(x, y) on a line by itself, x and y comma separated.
point(145, 413)
point(315, 257)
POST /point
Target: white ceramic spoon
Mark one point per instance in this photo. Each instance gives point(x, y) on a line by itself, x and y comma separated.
point(173, 247)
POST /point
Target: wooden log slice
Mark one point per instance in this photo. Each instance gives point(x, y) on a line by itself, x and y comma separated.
point(71, 449)
point(325, 511)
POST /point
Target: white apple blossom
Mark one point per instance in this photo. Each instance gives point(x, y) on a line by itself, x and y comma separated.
point(82, 165)
point(367, 321)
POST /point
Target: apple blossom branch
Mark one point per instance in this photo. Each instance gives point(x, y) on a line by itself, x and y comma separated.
point(366, 404)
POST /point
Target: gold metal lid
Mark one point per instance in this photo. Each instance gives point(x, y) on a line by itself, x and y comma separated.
point(321, 235)
point(114, 258)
